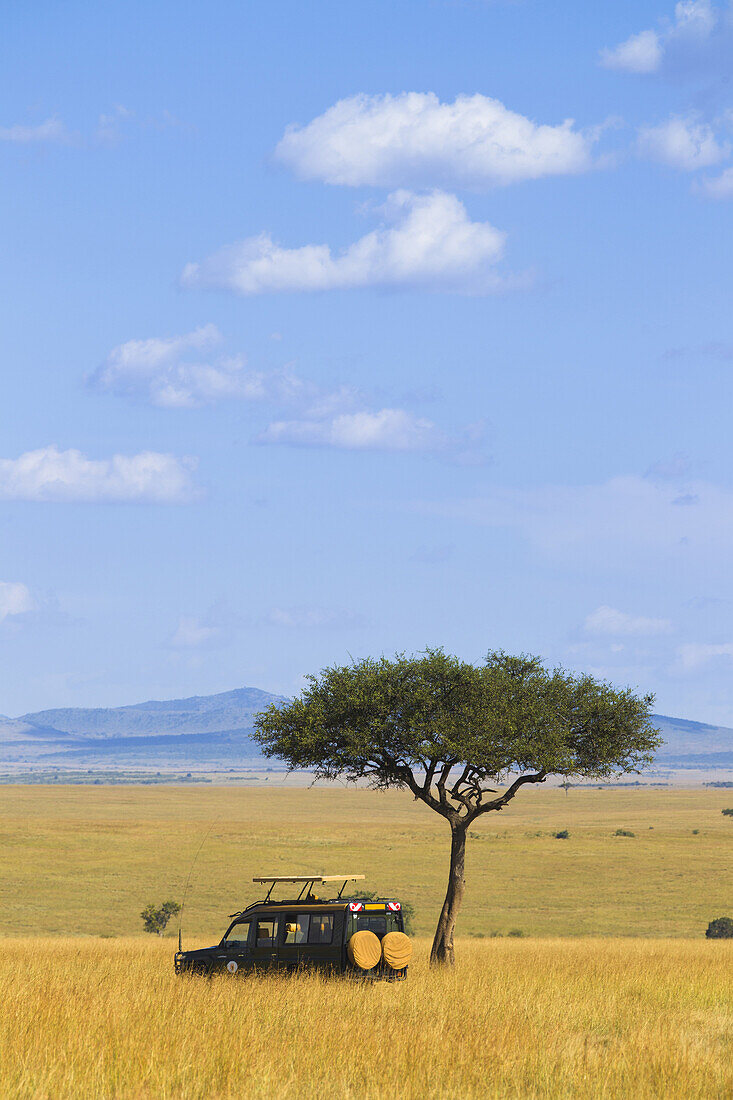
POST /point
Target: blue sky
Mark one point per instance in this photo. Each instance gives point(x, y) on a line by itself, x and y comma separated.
point(325, 334)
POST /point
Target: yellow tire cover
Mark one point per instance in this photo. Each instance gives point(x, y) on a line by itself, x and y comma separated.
point(364, 949)
point(397, 950)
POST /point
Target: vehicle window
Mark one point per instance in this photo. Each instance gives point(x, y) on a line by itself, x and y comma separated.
point(321, 929)
point(296, 927)
point(238, 935)
point(266, 933)
point(372, 923)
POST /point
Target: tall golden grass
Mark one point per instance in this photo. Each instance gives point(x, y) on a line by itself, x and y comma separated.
point(517, 1018)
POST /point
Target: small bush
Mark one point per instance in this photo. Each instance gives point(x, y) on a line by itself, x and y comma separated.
point(155, 920)
point(728, 812)
point(562, 835)
point(516, 933)
point(695, 832)
point(720, 929)
point(624, 832)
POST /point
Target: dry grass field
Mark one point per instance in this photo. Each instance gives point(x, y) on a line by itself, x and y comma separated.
point(85, 860)
point(518, 1018)
point(90, 1007)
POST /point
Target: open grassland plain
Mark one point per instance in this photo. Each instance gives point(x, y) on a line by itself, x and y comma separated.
point(79, 860)
point(516, 1018)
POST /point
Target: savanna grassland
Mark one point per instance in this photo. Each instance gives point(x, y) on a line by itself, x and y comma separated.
point(613, 991)
point(580, 1018)
point(81, 860)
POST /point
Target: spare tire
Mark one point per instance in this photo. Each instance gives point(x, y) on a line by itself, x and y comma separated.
point(364, 949)
point(396, 950)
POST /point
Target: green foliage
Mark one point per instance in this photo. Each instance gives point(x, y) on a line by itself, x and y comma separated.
point(563, 834)
point(390, 720)
point(728, 812)
point(720, 929)
point(624, 832)
point(516, 933)
point(155, 920)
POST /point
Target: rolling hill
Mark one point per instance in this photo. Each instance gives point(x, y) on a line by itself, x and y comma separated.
point(216, 730)
point(209, 729)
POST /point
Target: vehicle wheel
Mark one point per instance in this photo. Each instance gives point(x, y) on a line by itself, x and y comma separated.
point(397, 950)
point(364, 950)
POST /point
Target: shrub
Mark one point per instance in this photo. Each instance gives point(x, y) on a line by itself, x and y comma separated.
point(516, 933)
point(728, 812)
point(562, 835)
point(720, 929)
point(624, 832)
point(155, 920)
point(695, 832)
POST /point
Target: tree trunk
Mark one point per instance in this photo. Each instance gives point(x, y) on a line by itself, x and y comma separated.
point(442, 952)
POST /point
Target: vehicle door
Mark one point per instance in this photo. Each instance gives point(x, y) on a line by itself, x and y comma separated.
point(234, 952)
point(265, 940)
point(293, 949)
point(325, 932)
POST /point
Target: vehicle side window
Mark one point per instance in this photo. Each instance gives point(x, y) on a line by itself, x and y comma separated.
point(296, 927)
point(321, 929)
point(266, 933)
point(239, 935)
point(375, 924)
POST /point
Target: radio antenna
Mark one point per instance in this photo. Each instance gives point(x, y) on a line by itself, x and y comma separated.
point(188, 880)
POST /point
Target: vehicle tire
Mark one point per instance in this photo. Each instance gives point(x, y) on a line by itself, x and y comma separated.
point(364, 950)
point(396, 950)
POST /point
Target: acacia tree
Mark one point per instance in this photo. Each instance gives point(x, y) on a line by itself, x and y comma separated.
point(464, 739)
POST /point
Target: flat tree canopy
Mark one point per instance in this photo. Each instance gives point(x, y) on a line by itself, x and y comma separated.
point(462, 738)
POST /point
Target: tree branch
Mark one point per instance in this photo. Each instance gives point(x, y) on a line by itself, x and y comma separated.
point(445, 772)
point(500, 803)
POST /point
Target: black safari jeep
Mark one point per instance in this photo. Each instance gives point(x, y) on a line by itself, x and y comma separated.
point(344, 935)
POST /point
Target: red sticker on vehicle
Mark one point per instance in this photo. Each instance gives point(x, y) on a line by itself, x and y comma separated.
point(355, 906)
point(394, 906)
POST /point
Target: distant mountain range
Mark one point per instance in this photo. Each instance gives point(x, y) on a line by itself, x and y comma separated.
point(216, 731)
point(211, 730)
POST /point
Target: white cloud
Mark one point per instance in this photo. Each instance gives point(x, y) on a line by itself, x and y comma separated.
point(154, 370)
point(50, 130)
point(694, 17)
point(49, 474)
point(191, 633)
point(718, 187)
point(693, 25)
point(15, 599)
point(682, 142)
point(695, 655)
point(168, 371)
point(432, 243)
point(412, 139)
point(385, 430)
point(641, 53)
point(617, 524)
point(294, 617)
point(608, 621)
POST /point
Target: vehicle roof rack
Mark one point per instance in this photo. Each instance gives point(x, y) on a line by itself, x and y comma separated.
point(307, 880)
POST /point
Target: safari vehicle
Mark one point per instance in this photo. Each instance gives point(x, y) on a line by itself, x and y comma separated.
point(345, 935)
